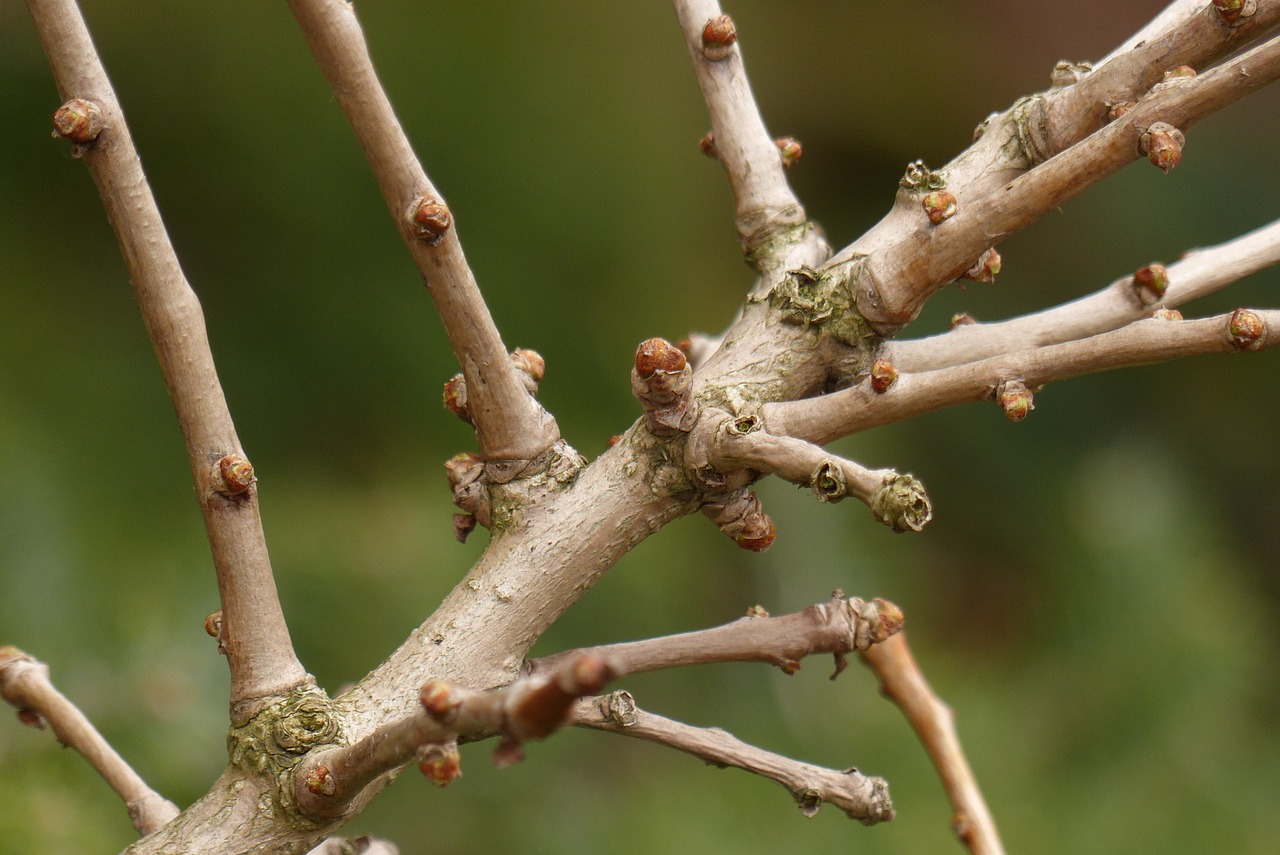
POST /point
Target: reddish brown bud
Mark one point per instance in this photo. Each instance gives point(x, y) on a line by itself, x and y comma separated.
point(235, 475)
point(1151, 282)
point(1015, 399)
point(986, 268)
point(961, 319)
point(1162, 144)
point(463, 525)
point(1231, 11)
point(718, 38)
point(888, 622)
point(213, 624)
point(463, 468)
point(939, 205)
point(440, 699)
point(429, 219)
point(588, 675)
point(441, 764)
point(320, 782)
point(758, 532)
point(883, 375)
point(31, 718)
point(1167, 315)
point(707, 145)
point(1245, 330)
point(1119, 109)
point(455, 398)
point(658, 354)
point(614, 440)
point(791, 150)
point(790, 666)
point(79, 121)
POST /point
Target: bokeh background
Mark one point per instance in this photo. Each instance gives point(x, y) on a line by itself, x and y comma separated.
point(1097, 598)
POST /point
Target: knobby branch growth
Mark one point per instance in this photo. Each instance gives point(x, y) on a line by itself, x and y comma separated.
point(813, 356)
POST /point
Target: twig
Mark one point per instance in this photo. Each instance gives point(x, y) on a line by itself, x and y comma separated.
point(1200, 272)
point(259, 651)
point(821, 420)
point(533, 707)
point(838, 626)
point(751, 159)
point(861, 797)
point(904, 684)
point(893, 283)
point(509, 422)
point(24, 682)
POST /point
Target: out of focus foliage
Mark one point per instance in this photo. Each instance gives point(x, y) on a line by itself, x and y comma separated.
point(1097, 597)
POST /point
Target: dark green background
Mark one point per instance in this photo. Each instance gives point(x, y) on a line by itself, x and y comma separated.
point(1097, 597)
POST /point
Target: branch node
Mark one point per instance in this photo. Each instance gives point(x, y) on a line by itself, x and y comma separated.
point(876, 620)
point(663, 383)
point(1067, 73)
point(740, 516)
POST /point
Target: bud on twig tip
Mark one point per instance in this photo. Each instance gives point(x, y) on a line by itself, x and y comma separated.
point(939, 205)
point(658, 354)
point(439, 699)
point(718, 38)
point(430, 220)
point(235, 475)
point(1245, 329)
point(78, 120)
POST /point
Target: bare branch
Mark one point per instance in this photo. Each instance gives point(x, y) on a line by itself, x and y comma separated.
point(1200, 272)
point(509, 422)
point(904, 684)
point(751, 159)
point(531, 708)
point(894, 283)
point(863, 798)
point(838, 626)
point(859, 407)
point(24, 682)
point(259, 651)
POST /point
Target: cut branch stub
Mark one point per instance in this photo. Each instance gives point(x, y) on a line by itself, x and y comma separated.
point(663, 382)
point(740, 516)
point(901, 503)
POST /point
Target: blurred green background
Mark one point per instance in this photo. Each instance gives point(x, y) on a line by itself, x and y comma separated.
point(1097, 598)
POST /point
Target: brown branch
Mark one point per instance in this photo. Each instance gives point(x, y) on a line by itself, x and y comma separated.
point(902, 272)
point(510, 424)
point(840, 625)
point(904, 684)
point(24, 682)
point(534, 707)
point(259, 651)
point(860, 407)
point(1200, 272)
point(861, 797)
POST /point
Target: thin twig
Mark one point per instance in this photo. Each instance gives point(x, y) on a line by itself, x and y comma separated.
point(934, 722)
point(509, 422)
point(838, 626)
point(1199, 273)
point(861, 797)
point(751, 159)
point(259, 651)
point(821, 420)
point(24, 682)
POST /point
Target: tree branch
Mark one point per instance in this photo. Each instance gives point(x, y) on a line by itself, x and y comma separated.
point(860, 407)
point(24, 682)
point(1200, 272)
point(259, 651)
point(863, 798)
point(763, 199)
point(904, 684)
point(894, 283)
point(510, 424)
point(838, 626)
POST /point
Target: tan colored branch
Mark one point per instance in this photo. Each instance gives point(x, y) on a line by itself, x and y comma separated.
point(858, 408)
point(510, 424)
point(1200, 272)
point(259, 651)
point(861, 797)
point(751, 158)
point(840, 625)
point(24, 682)
point(904, 684)
point(893, 283)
